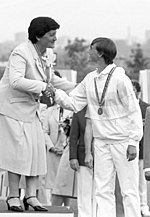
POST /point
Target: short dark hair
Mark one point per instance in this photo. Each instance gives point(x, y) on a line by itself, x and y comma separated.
point(136, 84)
point(39, 26)
point(105, 47)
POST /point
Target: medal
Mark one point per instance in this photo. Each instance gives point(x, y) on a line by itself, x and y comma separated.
point(100, 111)
point(101, 101)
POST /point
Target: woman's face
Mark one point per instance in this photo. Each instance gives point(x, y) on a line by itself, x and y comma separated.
point(48, 40)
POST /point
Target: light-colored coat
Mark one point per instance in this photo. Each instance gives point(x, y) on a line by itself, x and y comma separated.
point(54, 137)
point(23, 87)
point(22, 142)
point(51, 127)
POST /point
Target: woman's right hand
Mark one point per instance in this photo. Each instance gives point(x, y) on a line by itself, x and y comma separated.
point(49, 91)
point(59, 150)
point(56, 150)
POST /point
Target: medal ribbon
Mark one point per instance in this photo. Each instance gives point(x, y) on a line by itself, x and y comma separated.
point(101, 101)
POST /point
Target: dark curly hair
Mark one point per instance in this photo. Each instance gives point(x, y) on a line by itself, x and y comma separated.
point(39, 26)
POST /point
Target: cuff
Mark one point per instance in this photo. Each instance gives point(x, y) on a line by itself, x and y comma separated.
point(147, 170)
point(44, 87)
point(60, 95)
point(133, 142)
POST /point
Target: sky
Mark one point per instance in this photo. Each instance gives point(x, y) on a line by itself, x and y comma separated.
point(88, 19)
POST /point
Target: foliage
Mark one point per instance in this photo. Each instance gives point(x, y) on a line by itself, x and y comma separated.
point(5, 50)
point(137, 61)
point(77, 56)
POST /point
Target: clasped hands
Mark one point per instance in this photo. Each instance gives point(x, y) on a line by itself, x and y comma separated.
point(49, 91)
point(57, 150)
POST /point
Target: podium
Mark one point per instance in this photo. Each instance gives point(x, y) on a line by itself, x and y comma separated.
point(53, 211)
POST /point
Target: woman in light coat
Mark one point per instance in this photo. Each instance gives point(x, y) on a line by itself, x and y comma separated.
point(55, 138)
point(26, 77)
point(65, 182)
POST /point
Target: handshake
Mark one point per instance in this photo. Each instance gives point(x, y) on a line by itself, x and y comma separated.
point(49, 91)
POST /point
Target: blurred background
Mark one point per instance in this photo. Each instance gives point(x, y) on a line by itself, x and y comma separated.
point(126, 22)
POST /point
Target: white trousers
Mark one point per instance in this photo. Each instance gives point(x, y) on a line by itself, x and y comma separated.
point(109, 159)
point(142, 188)
point(85, 191)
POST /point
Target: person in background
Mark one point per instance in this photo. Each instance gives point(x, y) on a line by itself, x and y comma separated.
point(117, 128)
point(146, 145)
point(65, 182)
point(77, 157)
point(55, 138)
point(142, 181)
point(51, 116)
point(28, 75)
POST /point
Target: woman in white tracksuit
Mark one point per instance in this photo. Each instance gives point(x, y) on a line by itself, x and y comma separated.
point(117, 128)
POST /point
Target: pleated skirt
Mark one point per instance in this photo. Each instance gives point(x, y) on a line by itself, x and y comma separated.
point(22, 147)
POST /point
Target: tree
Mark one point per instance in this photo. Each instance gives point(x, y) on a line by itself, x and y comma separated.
point(137, 62)
point(77, 57)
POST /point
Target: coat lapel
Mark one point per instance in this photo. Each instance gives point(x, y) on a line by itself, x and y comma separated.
point(37, 61)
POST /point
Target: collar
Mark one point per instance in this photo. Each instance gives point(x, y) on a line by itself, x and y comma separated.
point(105, 71)
point(47, 57)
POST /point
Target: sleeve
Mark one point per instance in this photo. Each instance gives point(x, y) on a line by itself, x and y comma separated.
point(146, 142)
point(88, 136)
point(74, 137)
point(46, 129)
point(17, 78)
point(75, 101)
point(130, 103)
point(62, 83)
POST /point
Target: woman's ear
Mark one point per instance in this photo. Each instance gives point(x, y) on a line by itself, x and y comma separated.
point(100, 55)
point(37, 38)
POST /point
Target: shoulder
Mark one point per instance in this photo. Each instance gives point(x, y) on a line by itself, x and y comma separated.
point(90, 76)
point(21, 49)
point(121, 77)
point(119, 73)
